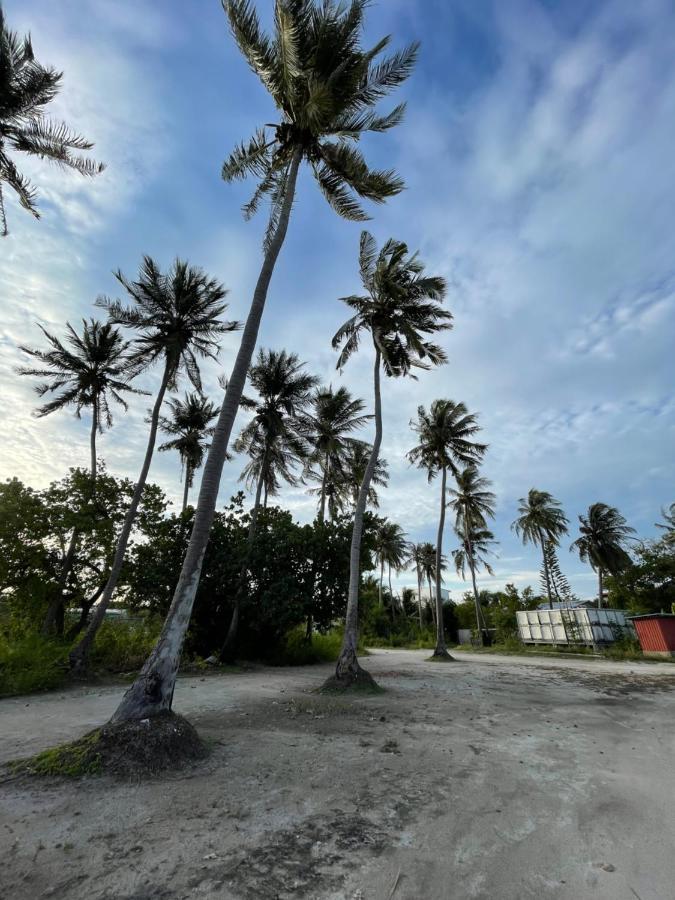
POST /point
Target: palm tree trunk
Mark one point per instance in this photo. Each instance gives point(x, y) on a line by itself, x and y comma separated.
point(432, 605)
point(391, 597)
point(322, 502)
point(441, 650)
point(348, 671)
point(54, 618)
point(186, 489)
point(546, 572)
point(381, 579)
point(78, 655)
point(469, 552)
point(419, 597)
point(600, 588)
point(152, 692)
point(227, 652)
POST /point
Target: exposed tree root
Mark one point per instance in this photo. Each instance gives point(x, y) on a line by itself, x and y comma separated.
point(351, 678)
point(441, 656)
point(125, 749)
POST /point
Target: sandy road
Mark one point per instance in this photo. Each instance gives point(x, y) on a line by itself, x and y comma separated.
point(500, 778)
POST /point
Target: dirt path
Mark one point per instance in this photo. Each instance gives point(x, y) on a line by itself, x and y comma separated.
point(497, 778)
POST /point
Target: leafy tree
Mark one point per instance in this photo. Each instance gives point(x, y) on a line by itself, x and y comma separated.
point(26, 88)
point(602, 542)
point(326, 88)
point(668, 524)
point(647, 586)
point(473, 504)
point(540, 520)
point(177, 318)
point(401, 307)
point(189, 426)
point(446, 441)
point(334, 416)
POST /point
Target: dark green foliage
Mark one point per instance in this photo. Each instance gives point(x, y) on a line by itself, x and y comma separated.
point(189, 425)
point(648, 586)
point(560, 586)
point(603, 538)
point(30, 662)
point(26, 88)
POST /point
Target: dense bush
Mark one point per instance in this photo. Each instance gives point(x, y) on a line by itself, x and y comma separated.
point(30, 662)
point(122, 645)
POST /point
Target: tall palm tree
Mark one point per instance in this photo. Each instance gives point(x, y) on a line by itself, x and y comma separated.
point(26, 87)
point(604, 535)
point(541, 519)
point(87, 371)
point(446, 441)
point(356, 463)
point(275, 440)
point(189, 426)
point(416, 558)
point(177, 318)
point(326, 87)
point(335, 415)
point(401, 307)
point(473, 504)
point(391, 549)
point(428, 558)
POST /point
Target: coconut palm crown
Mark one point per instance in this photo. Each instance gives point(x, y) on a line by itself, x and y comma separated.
point(472, 501)
point(540, 519)
point(445, 438)
point(326, 87)
point(189, 426)
point(26, 87)
point(604, 534)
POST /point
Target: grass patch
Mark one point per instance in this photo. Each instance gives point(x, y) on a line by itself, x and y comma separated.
point(72, 760)
point(31, 663)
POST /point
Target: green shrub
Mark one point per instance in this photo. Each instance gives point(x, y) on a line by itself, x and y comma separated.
point(296, 650)
point(122, 645)
point(30, 662)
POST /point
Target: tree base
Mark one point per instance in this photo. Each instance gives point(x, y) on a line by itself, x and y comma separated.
point(441, 656)
point(139, 748)
point(350, 677)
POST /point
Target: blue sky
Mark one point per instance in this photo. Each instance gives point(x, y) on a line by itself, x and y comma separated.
point(538, 157)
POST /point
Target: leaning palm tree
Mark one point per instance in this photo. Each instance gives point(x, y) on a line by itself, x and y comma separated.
point(326, 87)
point(604, 535)
point(177, 317)
point(276, 442)
point(334, 416)
point(473, 504)
point(541, 519)
point(446, 441)
point(87, 371)
point(189, 426)
point(26, 87)
point(401, 308)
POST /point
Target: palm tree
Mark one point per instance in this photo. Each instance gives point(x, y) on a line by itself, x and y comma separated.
point(445, 442)
point(604, 534)
point(401, 307)
point(326, 88)
point(335, 416)
point(177, 319)
point(473, 504)
point(356, 463)
point(541, 519)
point(428, 559)
point(391, 549)
point(275, 440)
point(26, 87)
point(87, 371)
point(417, 558)
point(668, 524)
point(189, 426)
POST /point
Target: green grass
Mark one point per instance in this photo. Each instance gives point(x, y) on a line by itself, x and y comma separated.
point(31, 663)
point(69, 760)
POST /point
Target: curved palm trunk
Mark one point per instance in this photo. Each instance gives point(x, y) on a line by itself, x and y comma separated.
point(78, 655)
point(441, 648)
point(54, 618)
point(348, 670)
point(600, 588)
point(227, 652)
point(547, 574)
point(186, 489)
point(152, 692)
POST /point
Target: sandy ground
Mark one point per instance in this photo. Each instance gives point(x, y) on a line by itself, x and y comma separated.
point(496, 777)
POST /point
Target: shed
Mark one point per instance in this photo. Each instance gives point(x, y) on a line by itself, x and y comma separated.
point(656, 633)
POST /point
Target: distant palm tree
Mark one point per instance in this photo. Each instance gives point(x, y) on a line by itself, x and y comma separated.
point(402, 306)
point(541, 519)
point(177, 317)
point(26, 87)
point(604, 535)
point(87, 371)
point(189, 425)
point(358, 455)
point(335, 415)
point(326, 88)
point(668, 524)
point(446, 441)
point(429, 557)
point(473, 504)
point(391, 549)
point(276, 442)
point(416, 558)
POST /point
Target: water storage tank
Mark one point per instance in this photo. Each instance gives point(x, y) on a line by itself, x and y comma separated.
point(571, 626)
